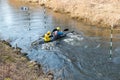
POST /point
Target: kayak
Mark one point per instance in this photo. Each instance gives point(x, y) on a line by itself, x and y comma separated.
point(41, 40)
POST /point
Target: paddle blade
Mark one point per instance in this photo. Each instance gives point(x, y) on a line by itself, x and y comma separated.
point(66, 29)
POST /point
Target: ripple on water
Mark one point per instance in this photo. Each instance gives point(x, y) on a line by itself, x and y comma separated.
point(116, 60)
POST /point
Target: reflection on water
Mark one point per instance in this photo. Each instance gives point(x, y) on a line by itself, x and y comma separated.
point(82, 56)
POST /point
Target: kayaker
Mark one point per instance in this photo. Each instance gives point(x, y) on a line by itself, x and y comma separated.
point(47, 37)
point(57, 33)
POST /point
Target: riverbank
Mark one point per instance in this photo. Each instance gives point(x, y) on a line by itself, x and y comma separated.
point(102, 13)
point(14, 66)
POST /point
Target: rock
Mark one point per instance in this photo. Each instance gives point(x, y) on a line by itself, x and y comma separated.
point(31, 64)
point(50, 75)
point(17, 50)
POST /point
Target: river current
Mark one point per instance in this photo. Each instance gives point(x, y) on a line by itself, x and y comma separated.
point(82, 55)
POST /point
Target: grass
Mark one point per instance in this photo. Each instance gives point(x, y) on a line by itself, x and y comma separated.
point(14, 66)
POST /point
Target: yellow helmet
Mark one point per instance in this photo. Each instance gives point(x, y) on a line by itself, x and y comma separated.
point(58, 28)
point(48, 33)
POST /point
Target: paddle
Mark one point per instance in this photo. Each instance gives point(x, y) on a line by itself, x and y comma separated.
point(56, 30)
point(66, 29)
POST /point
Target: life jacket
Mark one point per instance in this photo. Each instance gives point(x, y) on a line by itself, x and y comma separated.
point(58, 33)
point(47, 38)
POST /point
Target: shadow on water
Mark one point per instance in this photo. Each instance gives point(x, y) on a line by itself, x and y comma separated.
point(83, 55)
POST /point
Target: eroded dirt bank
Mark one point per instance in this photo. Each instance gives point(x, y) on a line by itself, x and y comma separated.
point(14, 66)
point(102, 13)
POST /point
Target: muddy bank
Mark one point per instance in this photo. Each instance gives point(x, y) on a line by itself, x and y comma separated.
point(102, 13)
point(14, 66)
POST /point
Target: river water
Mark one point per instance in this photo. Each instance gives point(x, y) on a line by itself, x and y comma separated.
point(82, 55)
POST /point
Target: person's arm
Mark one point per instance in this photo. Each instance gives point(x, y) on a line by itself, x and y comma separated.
point(54, 30)
point(51, 36)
